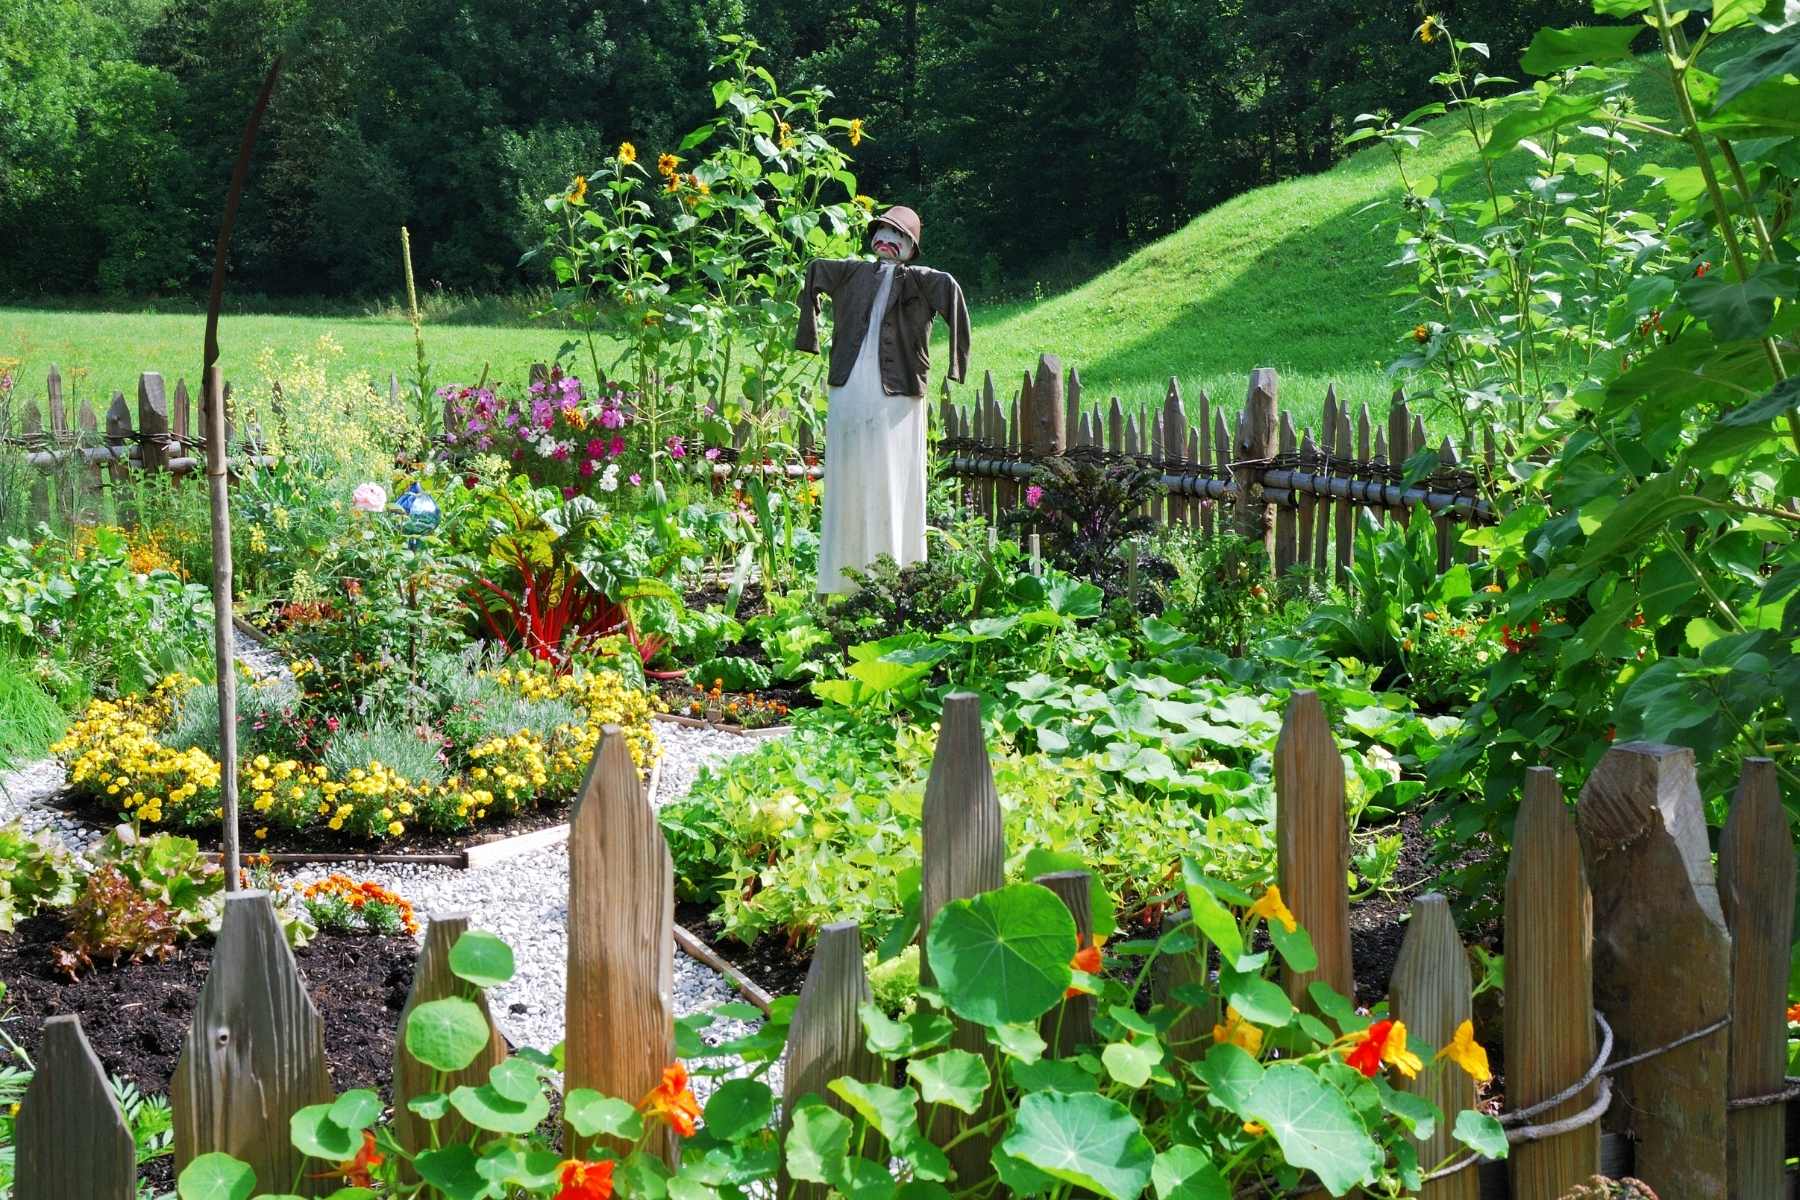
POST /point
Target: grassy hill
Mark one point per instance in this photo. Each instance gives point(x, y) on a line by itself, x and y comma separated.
point(1291, 276)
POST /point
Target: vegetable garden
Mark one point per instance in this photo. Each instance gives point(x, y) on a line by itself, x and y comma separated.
point(1190, 822)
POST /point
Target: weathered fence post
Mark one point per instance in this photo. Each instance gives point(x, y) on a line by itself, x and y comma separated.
point(1756, 891)
point(1662, 962)
point(620, 1030)
point(118, 467)
point(1255, 446)
point(71, 1136)
point(1286, 533)
point(1430, 992)
point(153, 423)
point(1046, 432)
point(825, 1037)
point(1189, 1038)
point(433, 980)
point(964, 854)
point(31, 426)
point(1549, 989)
point(1070, 1025)
point(255, 1053)
point(1312, 843)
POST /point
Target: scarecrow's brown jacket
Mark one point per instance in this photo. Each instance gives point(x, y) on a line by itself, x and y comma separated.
point(919, 293)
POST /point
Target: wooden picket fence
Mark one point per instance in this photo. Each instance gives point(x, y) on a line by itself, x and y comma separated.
point(66, 443)
point(1612, 910)
point(1295, 492)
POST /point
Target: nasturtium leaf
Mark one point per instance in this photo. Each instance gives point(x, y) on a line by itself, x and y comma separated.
point(453, 1171)
point(430, 1107)
point(922, 1189)
point(591, 1114)
point(1186, 1173)
point(1231, 1074)
point(1256, 999)
point(515, 1079)
point(1130, 1019)
point(1022, 1042)
point(1018, 1177)
point(1002, 956)
point(347, 1193)
point(953, 1077)
point(1211, 918)
point(738, 1107)
point(1131, 1063)
point(1314, 1127)
point(1336, 1007)
point(1480, 1133)
point(485, 1108)
point(481, 958)
point(356, 1109)
point(894, 1112)
point(216, 1177)
point(862, 1179)
point(316, 1135)
point(446, 1034)
point(1296, 948)
point(1053, 1075)
point(1087, 1140)
point(1419, 1115)
point(818, 1143)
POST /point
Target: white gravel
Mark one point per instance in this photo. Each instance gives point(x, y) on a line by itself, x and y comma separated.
point(524, 900)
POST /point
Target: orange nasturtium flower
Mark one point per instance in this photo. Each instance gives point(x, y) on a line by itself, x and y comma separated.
point(627, 153)
point(1238, 1032)
point(355, 1173)
point(577, 193)
point(1087, 958)
point(673, 1102)
point(1793, 1014)
point(1272, 909)
point(1468, 1053)
point(1384, 1042)
point(585, 1181)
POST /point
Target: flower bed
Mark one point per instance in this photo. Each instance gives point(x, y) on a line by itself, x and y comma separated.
point(515, 739)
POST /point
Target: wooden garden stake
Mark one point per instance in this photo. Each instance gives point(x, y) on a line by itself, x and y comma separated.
point(433, 980)
point(1430, 992)
point(825, 1038)
point(1070, 1025)
point(1662, 962)
point(1312, 844)
point(1756, 891)
point(1549, 989)
point(71, 1136)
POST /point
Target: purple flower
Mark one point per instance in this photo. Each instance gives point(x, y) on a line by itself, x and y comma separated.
point(568, 493)
point(612, 418)
point(559, 452)
point(484, 442)
point(1034, 496)
point(677, 447)
point(636, 479)
point(712, 454)
point(543, 414)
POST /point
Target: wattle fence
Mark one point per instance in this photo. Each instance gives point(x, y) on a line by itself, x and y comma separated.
point(1644, 1029)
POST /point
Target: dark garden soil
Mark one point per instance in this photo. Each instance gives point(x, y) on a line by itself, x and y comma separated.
point(136, 1015)
point(768, 961)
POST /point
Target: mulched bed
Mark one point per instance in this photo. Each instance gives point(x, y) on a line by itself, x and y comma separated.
point(135, 1016)
point(768, 962)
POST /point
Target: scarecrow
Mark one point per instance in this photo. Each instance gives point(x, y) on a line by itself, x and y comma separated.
point(875, 424)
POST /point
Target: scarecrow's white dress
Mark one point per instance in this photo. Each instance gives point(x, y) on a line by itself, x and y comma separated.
point(874, 466)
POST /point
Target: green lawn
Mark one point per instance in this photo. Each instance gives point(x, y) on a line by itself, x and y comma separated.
point(1291, 276)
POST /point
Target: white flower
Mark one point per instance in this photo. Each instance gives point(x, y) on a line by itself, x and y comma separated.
point(609, 479)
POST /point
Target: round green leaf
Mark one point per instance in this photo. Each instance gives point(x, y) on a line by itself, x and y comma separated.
point(738, 1107)
point(482, 959)
point(1313, 1124)
point(216, 1177)
point(1086, 1140)
point(452, 1171)
point(816, 1145)
point(485, 1108)
point(1185, 1173)
point(894, 1112)
point(314, 1133)
point(356, 1109)
point(592, 1115)
point(1256, 999)
point(430, 1107)
point(1232, 1075)
point(1002, 956)
point(1481, 1133)
point(515, 1079)
point(1131, 1063)
point(954, 1077)
point(447, 1034)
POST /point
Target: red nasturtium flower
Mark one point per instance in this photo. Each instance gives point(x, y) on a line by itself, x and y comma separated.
point(1384, 1042)
point(585, 1181)
point(673, 1102)
point(1087, 958)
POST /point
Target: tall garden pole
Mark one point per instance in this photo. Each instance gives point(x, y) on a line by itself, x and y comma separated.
point(224, 651)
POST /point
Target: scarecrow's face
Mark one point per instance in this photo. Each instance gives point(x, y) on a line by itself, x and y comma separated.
point(891, 245)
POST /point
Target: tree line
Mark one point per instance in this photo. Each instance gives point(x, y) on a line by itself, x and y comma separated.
point(1040, 139)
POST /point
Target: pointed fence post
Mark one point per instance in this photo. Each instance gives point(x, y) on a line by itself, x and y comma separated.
point(964, 854)
point(1662, 962)
point(1549, 989)
point(31, 425)
point(1756, 891)
point(1256, 444)
point(118, 467)
point(825, 1037)
point(1312, 844)
point(1070, 1025)
point(1430, 992)
point(1190, 1037)
point(1046, 432)
point(153, 422)
point(621, 977)
point(433, 980)
point(255, 1053)
point(1287, 551)
point(71, 1136)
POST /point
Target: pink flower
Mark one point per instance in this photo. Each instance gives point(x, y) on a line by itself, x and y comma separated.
point(589, 467)
point(677, 448)
point(712, 454)
point(636, 479)
point(612, 418)
point(559, 452)
point(331, 723)
point(368, 497)
point(1034, 496)
point(595, 448)
point(568, 493)
point(617, 448)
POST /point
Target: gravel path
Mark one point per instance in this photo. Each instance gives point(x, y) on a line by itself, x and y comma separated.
point(524, 900)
